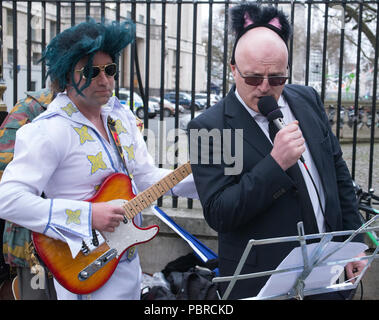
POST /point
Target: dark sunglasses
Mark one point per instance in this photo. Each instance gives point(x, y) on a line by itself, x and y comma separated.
point(273, 81)
point(109, 69)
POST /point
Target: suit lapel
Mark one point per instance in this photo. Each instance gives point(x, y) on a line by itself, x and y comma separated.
point(237, 117)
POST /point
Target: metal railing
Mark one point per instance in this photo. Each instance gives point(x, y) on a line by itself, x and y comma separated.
point(334, 48)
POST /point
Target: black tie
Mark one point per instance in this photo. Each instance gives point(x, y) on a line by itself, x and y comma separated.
point(307, 213)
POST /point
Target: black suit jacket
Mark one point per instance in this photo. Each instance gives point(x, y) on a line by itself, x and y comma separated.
point(262, 202)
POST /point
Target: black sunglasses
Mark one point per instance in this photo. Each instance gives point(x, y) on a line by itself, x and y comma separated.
point(274, 81)
point(109, 69)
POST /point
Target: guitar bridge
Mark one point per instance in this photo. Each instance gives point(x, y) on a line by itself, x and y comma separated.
point(97, 264)
point(97, 240)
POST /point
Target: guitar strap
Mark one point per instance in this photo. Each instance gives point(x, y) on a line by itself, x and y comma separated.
point(112, 128)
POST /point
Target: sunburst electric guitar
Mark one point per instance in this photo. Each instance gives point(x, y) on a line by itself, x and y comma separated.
point(96, 262)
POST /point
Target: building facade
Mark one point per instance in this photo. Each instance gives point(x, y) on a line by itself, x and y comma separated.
point(45, 25)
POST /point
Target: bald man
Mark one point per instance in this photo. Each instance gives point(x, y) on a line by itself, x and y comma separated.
point(269, 61)
point(272, 192)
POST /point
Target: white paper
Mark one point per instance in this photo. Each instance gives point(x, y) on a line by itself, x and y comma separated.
point(320, 277)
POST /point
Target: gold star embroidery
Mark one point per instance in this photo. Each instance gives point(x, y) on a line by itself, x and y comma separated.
point(73, 216)
point(119, 127)
point(69, 109)
point(97, 162)
point(132, 250)
point(83, 134)
point(130, 152)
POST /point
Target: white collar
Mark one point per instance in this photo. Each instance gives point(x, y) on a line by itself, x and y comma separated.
point(256, 115)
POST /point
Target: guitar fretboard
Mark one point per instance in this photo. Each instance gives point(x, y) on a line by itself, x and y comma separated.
point(148, 196)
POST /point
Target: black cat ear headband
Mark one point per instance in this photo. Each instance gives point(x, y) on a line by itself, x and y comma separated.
point(248, 16)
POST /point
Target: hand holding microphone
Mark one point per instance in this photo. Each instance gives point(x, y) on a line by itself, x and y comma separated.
point(288, 146)
point(289, 143)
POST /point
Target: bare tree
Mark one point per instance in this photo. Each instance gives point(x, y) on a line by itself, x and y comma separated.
point(218, 49)
point(368, 27)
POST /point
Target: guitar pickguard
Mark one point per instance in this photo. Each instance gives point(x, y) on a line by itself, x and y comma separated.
point(128, 234)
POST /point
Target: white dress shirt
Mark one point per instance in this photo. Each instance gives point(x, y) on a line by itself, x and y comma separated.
point(288, 117)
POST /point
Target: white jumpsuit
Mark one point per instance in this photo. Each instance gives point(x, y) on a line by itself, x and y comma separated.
point(63, 155)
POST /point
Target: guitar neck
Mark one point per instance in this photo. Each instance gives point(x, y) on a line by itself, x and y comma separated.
point(148, 196)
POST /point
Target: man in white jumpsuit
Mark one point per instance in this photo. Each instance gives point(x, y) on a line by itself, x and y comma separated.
point(68, 151)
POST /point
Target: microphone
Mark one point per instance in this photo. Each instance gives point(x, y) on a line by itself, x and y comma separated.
point(268, 106)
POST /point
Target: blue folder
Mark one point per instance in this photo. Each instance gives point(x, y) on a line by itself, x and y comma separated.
point(201, 250)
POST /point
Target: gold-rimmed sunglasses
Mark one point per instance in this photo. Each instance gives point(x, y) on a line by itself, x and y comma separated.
point(109, 69)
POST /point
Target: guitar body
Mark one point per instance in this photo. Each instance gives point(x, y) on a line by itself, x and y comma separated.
point(57, 256)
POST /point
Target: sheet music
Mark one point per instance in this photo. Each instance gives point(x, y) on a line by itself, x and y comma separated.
point(282, 283)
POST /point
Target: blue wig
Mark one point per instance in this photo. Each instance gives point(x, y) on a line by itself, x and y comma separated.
point(84, 40)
